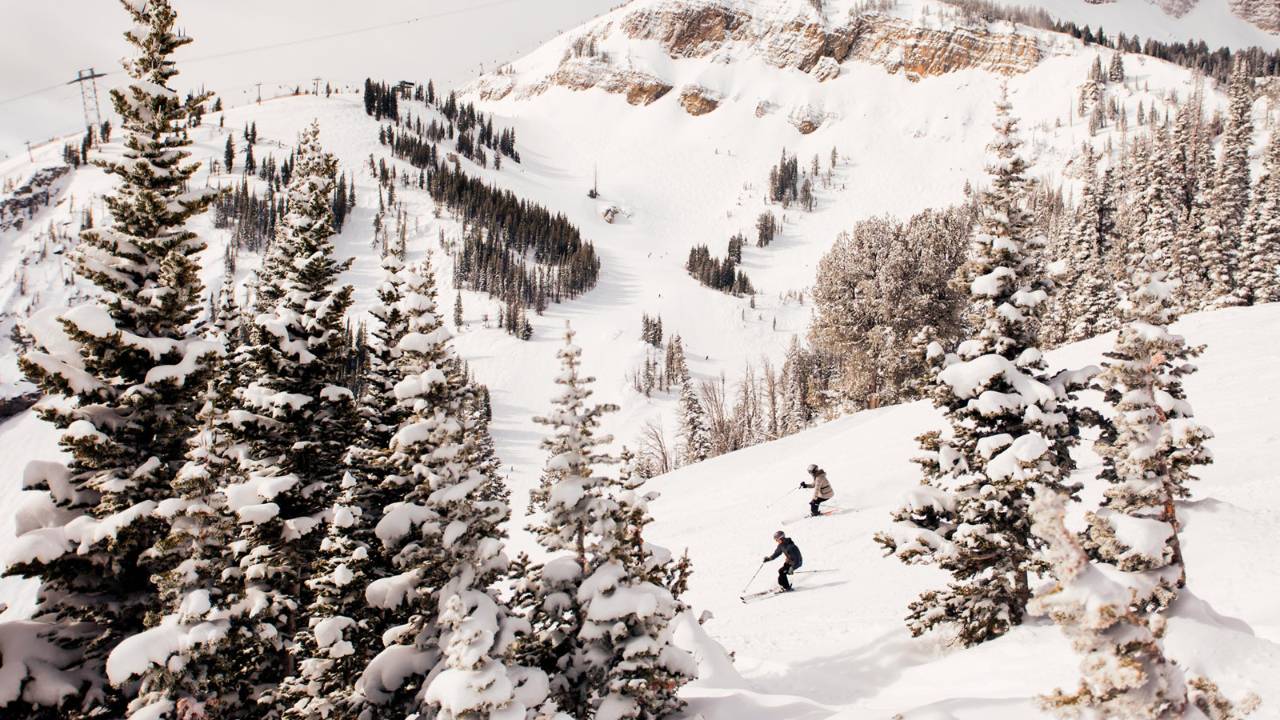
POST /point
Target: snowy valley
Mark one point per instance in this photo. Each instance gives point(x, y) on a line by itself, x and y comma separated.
point(659, 127)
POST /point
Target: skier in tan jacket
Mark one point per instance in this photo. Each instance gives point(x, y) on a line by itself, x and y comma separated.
point(822, 491)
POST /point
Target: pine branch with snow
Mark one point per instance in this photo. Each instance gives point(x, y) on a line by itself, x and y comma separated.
point(1125, 671)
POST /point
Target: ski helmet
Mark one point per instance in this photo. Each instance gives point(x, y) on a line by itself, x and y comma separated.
point(778, 535)
point(813, 469)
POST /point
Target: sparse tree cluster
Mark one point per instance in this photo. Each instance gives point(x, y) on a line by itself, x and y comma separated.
point(789, 183)
point(723, 275)
point(651, 330)
point(766, 229)
point(1192, 54)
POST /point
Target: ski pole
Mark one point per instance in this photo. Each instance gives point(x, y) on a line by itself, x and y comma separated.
point(780, 499)
point(753, 577)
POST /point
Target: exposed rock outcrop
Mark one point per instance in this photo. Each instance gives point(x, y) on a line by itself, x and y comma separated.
point(640, 88)
point(922, 52)
point(825, 69)
point(698, 28)
point(697, 100)
point(787, 34)
point(806, 119)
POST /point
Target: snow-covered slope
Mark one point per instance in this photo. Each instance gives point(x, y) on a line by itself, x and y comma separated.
point(840, 641)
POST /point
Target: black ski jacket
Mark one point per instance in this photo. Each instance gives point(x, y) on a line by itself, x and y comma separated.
point(788, 548)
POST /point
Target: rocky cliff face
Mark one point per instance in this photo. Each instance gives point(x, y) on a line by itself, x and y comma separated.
point(702, 28)
point(616, 53)
point(921, 52)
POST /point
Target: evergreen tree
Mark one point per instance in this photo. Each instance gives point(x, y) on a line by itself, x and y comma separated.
point(1261, 262)
point(1010, 427)
point(201, 596)
point(1115, 72)
point(1151, 448)
point(695, 442)
point(605, 654)
point(229, 153)
point(1160, 236)
point(442, 536)
point(575, 510)
point(643, 671)
point(297, 357)
point(344, 631)
point(1089, 295)
point(130, 369)
point(1229, 198)
point(797, 413)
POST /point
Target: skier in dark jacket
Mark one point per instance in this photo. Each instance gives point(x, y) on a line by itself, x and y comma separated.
point(793, 562)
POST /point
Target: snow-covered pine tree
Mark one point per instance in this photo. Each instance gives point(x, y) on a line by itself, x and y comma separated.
point(600, 611)
point(1126, 674)
point(344, 632)
point(131, 368)
point(642, 671)
point(307, 421)
point(1228, 200)
point(447, 624)
point(1260, 266)
point(796, 412)
point(1011, 427)
point(1150, 449)
point(577, 511)
point(1161, 235)
point(695, 439)
point(1115, 71)
point(1089, 295)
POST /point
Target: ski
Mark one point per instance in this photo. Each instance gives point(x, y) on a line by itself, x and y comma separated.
point(747, 599)
point(824, 570)
point(830, 511)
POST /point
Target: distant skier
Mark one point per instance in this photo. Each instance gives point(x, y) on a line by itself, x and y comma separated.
point(822, 491)
point(793, 562)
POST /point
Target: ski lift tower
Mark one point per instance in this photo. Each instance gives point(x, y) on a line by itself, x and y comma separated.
point(88, 82)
